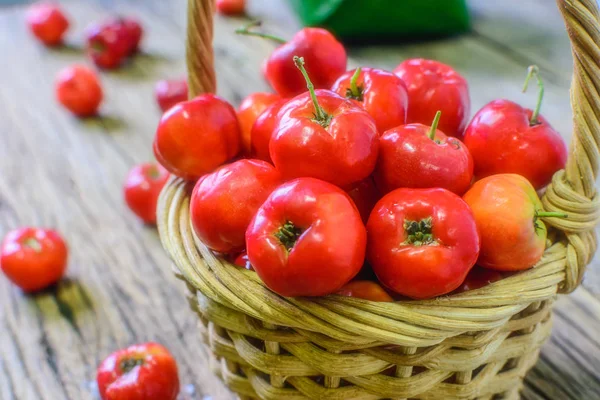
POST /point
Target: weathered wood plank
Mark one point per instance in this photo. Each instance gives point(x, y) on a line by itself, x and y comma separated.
point(120, 290)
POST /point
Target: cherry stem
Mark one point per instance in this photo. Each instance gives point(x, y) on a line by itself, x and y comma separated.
point(127, 364)
point(534, 70)
point(550, 214)
point(288, 234)
point(353, 86)
point(33, 243)
point(434, 125)
point(245, 30)
point(153, 172)
point(321, 116)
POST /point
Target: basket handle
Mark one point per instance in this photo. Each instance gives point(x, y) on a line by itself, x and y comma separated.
point(199, 48)
point(572, 191)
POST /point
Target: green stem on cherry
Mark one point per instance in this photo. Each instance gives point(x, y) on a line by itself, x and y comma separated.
point(534, 70)
point(33, 243)
point(434, 125)
point(550, 214)
point(321, 117)
point(245, 30)
point(288, 234)
point(127, 364)
point(153, 172)
point(355, 92)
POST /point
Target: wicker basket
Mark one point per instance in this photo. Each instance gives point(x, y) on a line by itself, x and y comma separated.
point(477, 344)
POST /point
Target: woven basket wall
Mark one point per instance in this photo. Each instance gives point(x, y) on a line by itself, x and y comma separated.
point(475, 345)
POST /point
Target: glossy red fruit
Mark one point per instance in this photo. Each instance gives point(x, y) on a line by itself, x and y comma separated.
point(365, 195)
point(305, 225)
point(107, 44)
point(366, 290)
point(382, 94)
point(169, 92)
point(78, 89)
point(420, 156)
point(433, 229)
point(262, 130)
point(33, 258)
point(479, 277)
point(196, 136)
point(140, 372)
point(47, 22)
point(142, 188)
point(242, 261)
point(509, 216)
point(504, 137)
point(433, 86)
point(249, 110)
point(224, 202)
point(324, 136)
point(231, 7)
point(135, 31)
point(325, 60)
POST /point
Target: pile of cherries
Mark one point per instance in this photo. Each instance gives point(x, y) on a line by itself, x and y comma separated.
point(368, 174)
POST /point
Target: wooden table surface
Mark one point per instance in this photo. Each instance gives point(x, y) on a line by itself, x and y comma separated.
point(61, 172)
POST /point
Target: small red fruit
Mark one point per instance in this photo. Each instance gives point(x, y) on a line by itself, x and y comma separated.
point(107, 44)
point(142, 188)
point(365, 195)
point(307, 239)
point(78, 89)
point(135, 32)
point(262, 130)
point(249, 110)
point(508, 213)
point(324, 136)
point(33, 258)
point(196, 136)
point(231, 7)
point(170, 92)
point(140, 372)
point(504, 137)
point(433, 86)
point(419, 156)
point(325, 58)
point(381, 93)
point(479, 277)
point(47, 22)
point(242, 261)
point(422, 242)
point(366, 290)
point(224, 202)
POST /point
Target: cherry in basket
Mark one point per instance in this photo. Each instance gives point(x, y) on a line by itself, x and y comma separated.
point(433, 86)
point(47, 22)
point(307, 239)
point(142, 372)
point(324, 136)
point(78, 89)
point(196, 136)
point(325, 60)
point(33, 258)
point(381, 93)
point(366, 290)
point(248, 112)
point(420, 156)
point(509, 216)
point(504, 137)
point(433, 229)
point(224, 202)
point(262, 130)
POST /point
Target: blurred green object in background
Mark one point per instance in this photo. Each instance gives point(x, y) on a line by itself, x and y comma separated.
point(385, 19)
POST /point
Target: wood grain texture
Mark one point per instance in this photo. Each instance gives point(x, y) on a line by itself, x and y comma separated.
point(60, 172)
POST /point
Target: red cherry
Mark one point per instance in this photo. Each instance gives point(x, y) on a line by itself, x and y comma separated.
point(231, 7)
point(142, 188)
point(107, 44)
point(78, 89)
point(47, 22)
point(169, 92)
